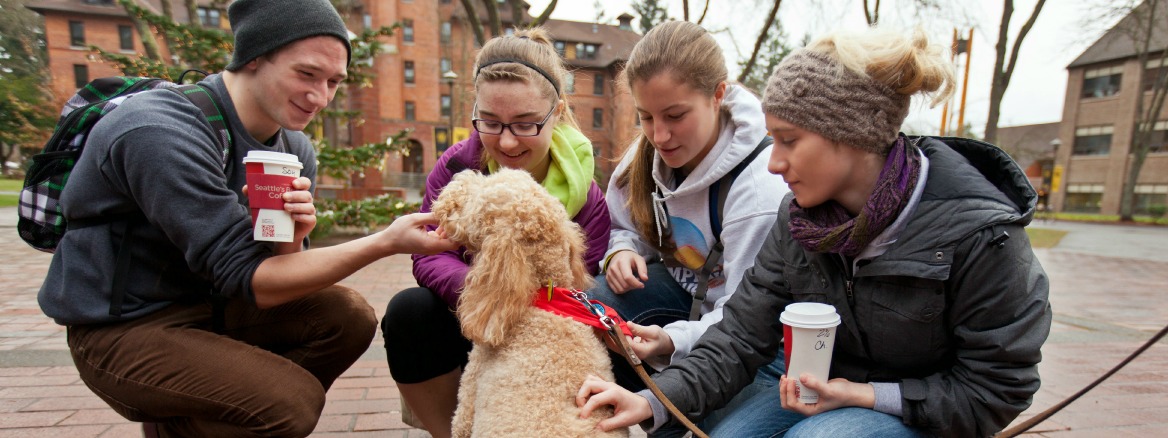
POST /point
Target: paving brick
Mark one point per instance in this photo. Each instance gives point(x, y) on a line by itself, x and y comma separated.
point(32, 419)
point(131, 430)
point(346, 394)
point(64, 404)
point(334, 423)
point(95, 416)
point(58, 432)
point(379, 421)
point(45, 391)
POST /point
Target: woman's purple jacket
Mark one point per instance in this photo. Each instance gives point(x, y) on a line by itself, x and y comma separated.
point(445, 273)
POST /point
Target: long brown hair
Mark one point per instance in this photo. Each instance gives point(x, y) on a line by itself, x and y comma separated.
point(693, 57)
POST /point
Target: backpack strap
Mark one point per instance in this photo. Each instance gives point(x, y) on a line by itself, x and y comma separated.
point(719, 191)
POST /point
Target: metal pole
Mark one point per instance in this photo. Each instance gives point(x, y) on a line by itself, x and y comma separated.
point(965, 82)
point(945, 109)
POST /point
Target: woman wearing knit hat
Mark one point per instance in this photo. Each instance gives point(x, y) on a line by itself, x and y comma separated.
point(691, 199)
point(522, 121)
point(918, 242)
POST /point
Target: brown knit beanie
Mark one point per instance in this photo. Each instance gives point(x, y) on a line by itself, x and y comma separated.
point(814, 92)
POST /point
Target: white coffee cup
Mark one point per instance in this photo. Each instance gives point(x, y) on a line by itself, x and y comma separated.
point(809, 336)
point(269, 175)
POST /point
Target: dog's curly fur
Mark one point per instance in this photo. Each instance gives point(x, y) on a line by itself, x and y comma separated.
point(527, 364)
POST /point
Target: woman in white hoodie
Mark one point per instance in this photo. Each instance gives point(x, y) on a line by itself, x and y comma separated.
point(699, 134)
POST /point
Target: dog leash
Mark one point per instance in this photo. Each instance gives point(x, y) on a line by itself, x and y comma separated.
point(612, 328)
point(1042, 416)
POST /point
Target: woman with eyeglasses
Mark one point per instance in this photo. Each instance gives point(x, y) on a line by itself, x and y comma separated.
point(695, 180)
point(521, 120)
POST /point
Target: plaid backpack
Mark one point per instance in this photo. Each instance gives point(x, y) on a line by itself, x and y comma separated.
point(42, 223)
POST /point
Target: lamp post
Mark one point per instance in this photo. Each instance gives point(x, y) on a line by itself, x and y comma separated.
point(450, 77)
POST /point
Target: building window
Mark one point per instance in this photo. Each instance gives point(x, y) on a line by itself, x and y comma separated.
point(409, 72)
point(125, 37)
point(408, 30)
point(411, 111)
point(1083, 198)
point(559, 47)
point(80, 75)
point(76, 34)
point(598, 84)
point(1159, 141)
point(444, 65)
point(209, 17)
point(444, 103)
point(1094, 140)
point(1102, 82)
point(444, 32)
point(509, 31)
point(597, 118)
point(585, 51)
point(1149, 196)
point(570, 83)
point(1152, 72)
point(367, 21)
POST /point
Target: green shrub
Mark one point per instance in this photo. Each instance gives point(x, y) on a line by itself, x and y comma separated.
point(364, 214)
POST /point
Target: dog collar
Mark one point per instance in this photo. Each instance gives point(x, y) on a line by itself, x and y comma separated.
point(575, 304)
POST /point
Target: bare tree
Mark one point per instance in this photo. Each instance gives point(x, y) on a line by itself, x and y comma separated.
point(518, 13)
point(762, 37)
point(543, 16)
point(145, 32)
point(472, 18)
point(493, 17)
point(1145, 26)
point(872, 14)
point(704, 10)
point(192, 12)
point(685, 10)
point(1002, 70)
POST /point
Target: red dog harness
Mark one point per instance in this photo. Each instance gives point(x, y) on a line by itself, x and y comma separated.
point(575, 304)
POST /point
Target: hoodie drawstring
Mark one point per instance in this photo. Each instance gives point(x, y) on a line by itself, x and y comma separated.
point(661, 216)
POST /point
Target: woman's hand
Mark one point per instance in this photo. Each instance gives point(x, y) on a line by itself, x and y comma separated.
point(626, 271)
point(650, 341)
point(833, 394)
point(630, 409)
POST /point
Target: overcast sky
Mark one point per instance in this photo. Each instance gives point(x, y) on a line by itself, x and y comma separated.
point(1036, 92)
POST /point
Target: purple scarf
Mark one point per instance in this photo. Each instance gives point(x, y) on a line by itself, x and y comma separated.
point(829, 228)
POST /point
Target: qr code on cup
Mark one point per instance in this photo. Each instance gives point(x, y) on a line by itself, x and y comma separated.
point(268, 230)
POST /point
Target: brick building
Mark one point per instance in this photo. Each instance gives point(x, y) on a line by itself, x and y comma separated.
point(1099, 116)
point(422, 83)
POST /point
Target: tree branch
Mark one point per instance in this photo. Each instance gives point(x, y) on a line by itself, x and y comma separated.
point(543, 17)
point(758, 43)
point(472, 17)
point(517, 13)
point(493, 18)
point(685, 9)
point(1018, 42)
point(704, 10)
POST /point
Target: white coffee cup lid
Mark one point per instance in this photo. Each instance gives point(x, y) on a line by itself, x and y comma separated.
point(273, 158)
point(810, 315)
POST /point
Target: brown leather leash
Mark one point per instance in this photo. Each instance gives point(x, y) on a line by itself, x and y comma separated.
point(1033, 421)
point(612, 329)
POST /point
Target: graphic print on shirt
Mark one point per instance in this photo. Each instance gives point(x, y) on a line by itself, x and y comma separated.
point(691, 254)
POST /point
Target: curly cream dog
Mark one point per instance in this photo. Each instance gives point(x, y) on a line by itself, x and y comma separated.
point(527, 363)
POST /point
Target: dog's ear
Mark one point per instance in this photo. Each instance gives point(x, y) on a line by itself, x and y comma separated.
point(456, 204)
point(498, 290)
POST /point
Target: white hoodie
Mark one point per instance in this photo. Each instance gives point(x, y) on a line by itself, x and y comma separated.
point(750, 211)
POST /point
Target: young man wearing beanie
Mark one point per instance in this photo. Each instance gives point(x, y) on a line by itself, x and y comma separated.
point(287, 332)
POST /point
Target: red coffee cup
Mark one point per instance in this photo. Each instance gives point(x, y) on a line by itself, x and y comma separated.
point(269, 175)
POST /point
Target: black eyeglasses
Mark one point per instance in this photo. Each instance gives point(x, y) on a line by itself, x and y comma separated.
point(518, 129)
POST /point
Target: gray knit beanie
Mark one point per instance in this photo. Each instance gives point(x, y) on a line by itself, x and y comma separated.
point(814, 92)
point(262, 26)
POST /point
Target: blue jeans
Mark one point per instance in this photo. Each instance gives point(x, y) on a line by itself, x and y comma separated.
point(661, 302)
point(763, 416)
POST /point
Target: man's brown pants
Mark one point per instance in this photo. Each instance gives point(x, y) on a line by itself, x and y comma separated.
point(265, 375)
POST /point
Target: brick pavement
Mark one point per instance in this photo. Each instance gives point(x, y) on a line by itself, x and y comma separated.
point(1105, 307)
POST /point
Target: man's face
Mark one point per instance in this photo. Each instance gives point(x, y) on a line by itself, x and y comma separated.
point(294, 83)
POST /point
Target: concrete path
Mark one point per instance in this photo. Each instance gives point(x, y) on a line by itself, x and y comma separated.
point(1107, 290)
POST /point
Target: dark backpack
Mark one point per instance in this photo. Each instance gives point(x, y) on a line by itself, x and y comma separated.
point(42, 223)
